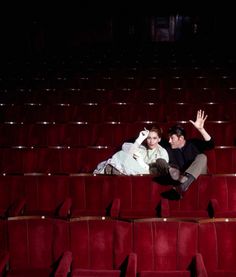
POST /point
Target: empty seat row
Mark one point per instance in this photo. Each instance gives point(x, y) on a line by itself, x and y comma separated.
point(125, 197)
point(56, 160)
point(126, 78)
point(94, 112)
point(42, 246)
point(111, 134)
point(47, 247)
point(152, 94)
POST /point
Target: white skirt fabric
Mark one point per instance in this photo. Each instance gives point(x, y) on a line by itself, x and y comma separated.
point(124, 162)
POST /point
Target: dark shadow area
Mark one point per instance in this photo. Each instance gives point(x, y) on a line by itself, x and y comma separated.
point(171, 194)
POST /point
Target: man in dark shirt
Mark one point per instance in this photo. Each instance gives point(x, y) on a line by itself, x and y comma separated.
point(186, 156)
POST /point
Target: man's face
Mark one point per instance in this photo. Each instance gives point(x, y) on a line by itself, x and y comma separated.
point(176, 142)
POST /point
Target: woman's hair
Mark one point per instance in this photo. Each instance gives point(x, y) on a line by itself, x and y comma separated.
point(158, 130)
point(177, 130)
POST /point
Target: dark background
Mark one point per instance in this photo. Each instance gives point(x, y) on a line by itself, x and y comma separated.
point(36, 29)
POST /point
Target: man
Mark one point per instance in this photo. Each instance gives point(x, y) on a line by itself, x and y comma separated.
point(186, 156)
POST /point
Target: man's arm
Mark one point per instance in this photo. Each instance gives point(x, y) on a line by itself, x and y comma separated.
point(199, 124)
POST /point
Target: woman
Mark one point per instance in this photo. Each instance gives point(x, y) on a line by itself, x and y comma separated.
point(136, 158)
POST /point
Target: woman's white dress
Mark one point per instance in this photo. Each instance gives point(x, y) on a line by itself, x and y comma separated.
point(124, 161)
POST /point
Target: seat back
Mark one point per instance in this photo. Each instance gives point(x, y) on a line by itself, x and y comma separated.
point(217, 244)
point(100, 244)
point(36, 242)
point(164, 246)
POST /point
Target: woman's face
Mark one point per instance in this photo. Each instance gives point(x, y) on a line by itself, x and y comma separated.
point(152, 140)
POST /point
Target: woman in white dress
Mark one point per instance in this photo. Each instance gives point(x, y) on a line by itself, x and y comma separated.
point(136, 158)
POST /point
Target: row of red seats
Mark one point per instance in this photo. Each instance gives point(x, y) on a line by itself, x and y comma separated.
point(128, 78)
point(40, 247)
point(66, 160)
point(111, 134)
point(119, 111)
point(153, 94)
point(50, 247)
point(125, 197)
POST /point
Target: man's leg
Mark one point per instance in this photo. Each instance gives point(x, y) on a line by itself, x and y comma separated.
point(198, 166)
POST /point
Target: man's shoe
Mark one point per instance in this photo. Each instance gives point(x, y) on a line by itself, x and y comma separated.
point(186, 184)
point(174, 173)
point(179, 192)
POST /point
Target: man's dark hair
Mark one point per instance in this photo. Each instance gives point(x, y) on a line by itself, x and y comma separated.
point(177, 130)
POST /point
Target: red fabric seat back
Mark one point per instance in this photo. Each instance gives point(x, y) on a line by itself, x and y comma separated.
point(164, 246)
point(221, 160)
point(217, 244)
point(36, 242)
point(46, 194)
point(100, 244)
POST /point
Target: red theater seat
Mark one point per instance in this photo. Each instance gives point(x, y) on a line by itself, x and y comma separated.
point(194, 204)
point(111, 134)
point(102, 248)
point(142, 198)
point(164, 248)
point(80, 134)
point(12, 196)
point(216, 243)
point(223, 194)
point(47, 196)
point(222, 160)
point(120, 112)
point(94, 196)
point(38, 247)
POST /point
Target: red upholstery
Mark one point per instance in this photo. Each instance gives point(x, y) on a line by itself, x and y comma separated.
point(208, 196)
point(195, 202)
point(93, 196)
point(3, 238)
point(36, 246)
point(83, 160)
point(144, 198)
point(149, 112)
point(223, 193)
point(47, 195)
point(90, 111)
point(120, 112)
point(100, 248)
point(11, 160)
point(222, 160)
point(14, 134)
point(164, 247)
point(12, 196)
point(52, 160)
point(111, 134)
point(81, 135)
point(116, 196)
point(218, 247)
point(185, 111)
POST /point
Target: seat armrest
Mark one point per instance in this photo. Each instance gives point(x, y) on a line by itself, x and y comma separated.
point(115, 208)
point(64, 265)
point(64, 210)
point(213, 207)
point(4, 260)
point(131, 270)
point(17, 208)
point(200, 267)
point(164, 208)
